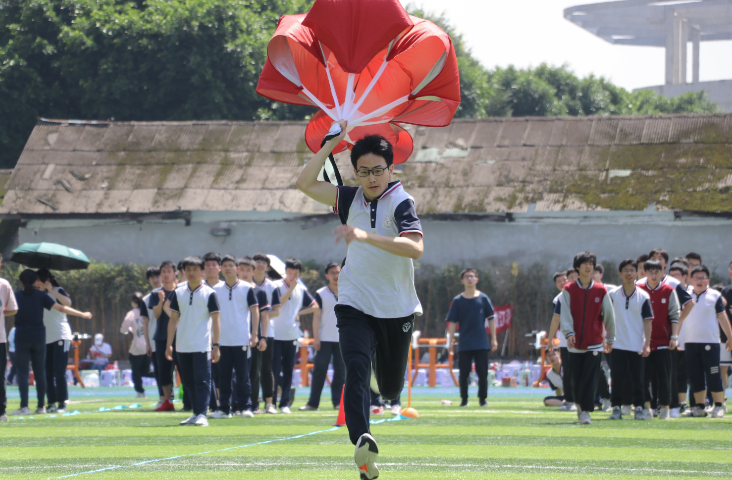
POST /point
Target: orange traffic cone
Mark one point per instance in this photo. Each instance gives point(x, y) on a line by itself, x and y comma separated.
point(341, 411)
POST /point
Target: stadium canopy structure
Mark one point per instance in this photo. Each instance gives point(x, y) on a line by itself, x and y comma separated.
point(670, 24)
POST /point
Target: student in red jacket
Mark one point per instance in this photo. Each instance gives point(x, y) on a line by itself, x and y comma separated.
point(586, 309)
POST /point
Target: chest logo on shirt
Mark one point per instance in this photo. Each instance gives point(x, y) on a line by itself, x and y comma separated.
point(663, 300)
point(406, 327)
point(388, 222)
point(597, 299)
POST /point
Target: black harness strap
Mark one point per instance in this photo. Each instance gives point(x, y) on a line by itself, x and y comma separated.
point(338, 178)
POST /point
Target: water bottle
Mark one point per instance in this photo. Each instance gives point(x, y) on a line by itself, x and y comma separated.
point(116, 365)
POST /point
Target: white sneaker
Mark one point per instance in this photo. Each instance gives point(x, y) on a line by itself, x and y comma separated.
point(396, 410)
point(160, 402)
point(40, 411)
point(141, 395)
point(665, 413)
point(270, 408)
point(697, 411)
point(717, 412)
point(625, 410)
point(564, 407)
point(52, 409)
point(61, 411)
point(675, 413)
point(219, 414)
point(3, 418)
point(606, 405)
point(643, 413)
point(367, 452)
point(572, 407)
point(201, 421)
point(247, 414)
point(236, 413)
point(285, 410)
point(189, 421)
point(616, 415)
point(584, 418)
point(377, 410)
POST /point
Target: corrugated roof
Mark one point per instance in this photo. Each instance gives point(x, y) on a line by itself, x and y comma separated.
point(681, 162)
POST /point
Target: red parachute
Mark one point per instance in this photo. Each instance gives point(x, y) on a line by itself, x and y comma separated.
point(367, 62)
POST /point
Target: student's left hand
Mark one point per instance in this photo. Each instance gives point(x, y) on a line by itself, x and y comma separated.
point(262, 344)
point(494, 346)
point(608, 347)
point(349, 234)
point(729, 344)
point(48, 286)
point(646, 350)
point(254, 341)
point(215, 355)
point(87, 315)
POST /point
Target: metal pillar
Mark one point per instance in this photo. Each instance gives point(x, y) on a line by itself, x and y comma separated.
point(695, 54)
point(671, 50)
point(683, 48)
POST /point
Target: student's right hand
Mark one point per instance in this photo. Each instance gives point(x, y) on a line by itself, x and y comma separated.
point(169, 352)
point(148, 350)
point(161, 296)
point(87, 315)
point(316, 344)
point(344, 125)
point(570, 342)
point(262, 344)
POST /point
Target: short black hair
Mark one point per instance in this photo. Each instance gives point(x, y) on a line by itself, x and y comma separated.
point(584, 257)
point(245, 261)
point(684, 269)
point(180, 265)
point(652, 265)
point(262, 257)
point(375, 144)
point(212, 256)
point(152, 272)
point(572, 270)
point(700, 268)
point(560, 273)
point(331, 265)
point(137, 298)
point(693, 256)
point(168, 263)
point(293, 263)
point(680, 260)
point(192, 260)
point(229, 258)
point(627, 262)
point(718, 287)
point(641, 259)
point(599, 268)
point(660, 251)
point(468, 270)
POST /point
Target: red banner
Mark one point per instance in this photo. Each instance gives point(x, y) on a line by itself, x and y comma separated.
point(504, 313)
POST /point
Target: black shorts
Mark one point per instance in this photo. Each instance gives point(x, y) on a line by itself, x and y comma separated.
point(702, 366)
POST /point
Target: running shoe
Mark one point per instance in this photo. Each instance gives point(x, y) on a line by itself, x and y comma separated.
point(219, 414)
point(308, 408)
point(606, 405)
point(201, 421)
point(167, 406)
point(573, 407)
point(483, 404)
point(377, 410)
point(697, 411)
point(396, 410)
point(40, 411)
point(61, 411)
point(189, 421)
point(564, 407)
point(675, 413)
point(285, 410)
point(717, 412)
point(463, 404)
point(52, 409)
point(625, 410)
point(3, 418)
point(270, 408)
point(160, 402)
point(584, 418)
point(682, 408)
point(617, 414)
point(140, 395)
point(367, 452)
point(665, 413)
point(247, 414)
point(647, 413)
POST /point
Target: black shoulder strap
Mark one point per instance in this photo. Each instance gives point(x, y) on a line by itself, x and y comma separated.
point(338, 178)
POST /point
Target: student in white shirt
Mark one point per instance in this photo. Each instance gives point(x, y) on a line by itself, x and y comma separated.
point(325, 342)
point(211, 276)
point(8, 306)
point(260, 280)
point(296, 301)
point(194, 324)
point(134, 323)
point(633, 328)
point(702, 343)
point(239, 315)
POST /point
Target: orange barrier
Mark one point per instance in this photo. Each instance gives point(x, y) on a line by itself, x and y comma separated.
point(75, 367)
point(304, 366)
point(544, 343)
point(432, 344)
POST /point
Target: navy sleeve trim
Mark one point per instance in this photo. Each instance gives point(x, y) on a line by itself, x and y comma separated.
point(276, 298)
point(173, 302)
point(683, 295)
point(719, 306)
point(344, 200)
point(558, 308)
point(252, 299)
point(319, 300)
point(307, 299)
point(213, 303)
point(405, 216)
point(143, 310)
point(646, 310)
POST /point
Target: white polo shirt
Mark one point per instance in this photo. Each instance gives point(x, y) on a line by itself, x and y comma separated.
point(195, 308)
point(56, 323)
point(374, 281)
point(235, 317)
point(558, 311)
point(327, 300)
point(286, 326)
point(701, 325)
point(273, 298)
point(152, 324)
point(631, 312)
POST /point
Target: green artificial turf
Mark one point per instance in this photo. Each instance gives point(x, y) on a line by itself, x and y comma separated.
point(514, 438)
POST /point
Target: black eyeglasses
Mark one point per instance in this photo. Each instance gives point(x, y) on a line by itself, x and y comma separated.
point(365, 172)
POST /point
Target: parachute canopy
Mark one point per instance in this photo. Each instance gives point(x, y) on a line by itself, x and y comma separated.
point(367, 62)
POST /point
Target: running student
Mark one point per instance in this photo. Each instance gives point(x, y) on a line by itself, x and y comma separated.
point(470, 310)
point(9, 308)
point(260, 279)
point(157, 300)
point(377, 300)
point(30, 336)
point(560, 280)
point(238, 317)
point(150, 324)
point(194, 324)
point(664, 338)
point(245, 270)
point(586, 308)
point(325, 342)
point(211, 273)
point(296, 301)
point(633, 328)
point(58, 343)
point(702, 343)
point(134, 323)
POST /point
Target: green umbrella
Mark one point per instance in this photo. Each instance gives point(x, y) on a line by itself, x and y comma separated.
point(50, 256)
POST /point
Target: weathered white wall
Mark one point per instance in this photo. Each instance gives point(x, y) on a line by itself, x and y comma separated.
point(719, 91)
point(552, 238)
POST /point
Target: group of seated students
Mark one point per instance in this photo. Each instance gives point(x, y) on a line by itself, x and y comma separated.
point(662, 334)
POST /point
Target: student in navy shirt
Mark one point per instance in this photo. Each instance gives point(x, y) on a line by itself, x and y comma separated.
point(470, 310)
point(30, 337)
point(158, 298)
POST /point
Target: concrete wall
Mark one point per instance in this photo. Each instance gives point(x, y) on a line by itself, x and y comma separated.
point(719, 91)
point(552, 238)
